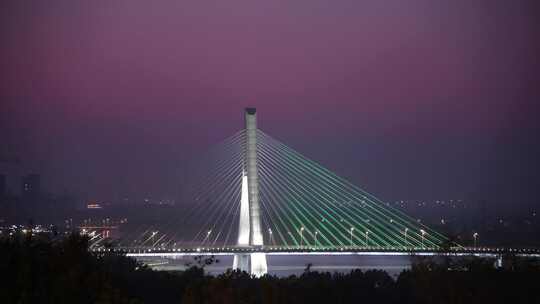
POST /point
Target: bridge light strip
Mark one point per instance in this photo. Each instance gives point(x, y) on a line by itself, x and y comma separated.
point(217, 194)
point(289, 204)
point(318, 199)
point(329, 203)
point(326, 170)
point(308, 193)
point(230, 148)
point(294, 202)
point(223, 201)
point(268, 208)
point(232, 203)
point(364, 194)
point(332, 253)
point(381, 216)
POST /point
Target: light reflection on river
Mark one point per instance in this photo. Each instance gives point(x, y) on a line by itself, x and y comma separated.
point(280, 265)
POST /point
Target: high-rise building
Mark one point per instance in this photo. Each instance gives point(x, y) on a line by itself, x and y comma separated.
point(3, 185)
point(31, 186)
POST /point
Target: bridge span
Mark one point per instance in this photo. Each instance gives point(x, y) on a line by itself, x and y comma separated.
point(485, 252)
point(258, 197)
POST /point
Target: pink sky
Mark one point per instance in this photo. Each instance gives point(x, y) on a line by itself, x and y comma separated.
point(93, 82)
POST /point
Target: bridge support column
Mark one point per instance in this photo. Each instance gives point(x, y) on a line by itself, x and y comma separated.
point(256, 238)
point(254, 263)
point(241, 262)
point(258, 264)
point(499, 262)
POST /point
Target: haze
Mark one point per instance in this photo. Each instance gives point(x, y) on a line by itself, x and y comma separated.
point(407, 99)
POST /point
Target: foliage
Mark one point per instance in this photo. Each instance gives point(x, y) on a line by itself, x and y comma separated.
point(43, 271)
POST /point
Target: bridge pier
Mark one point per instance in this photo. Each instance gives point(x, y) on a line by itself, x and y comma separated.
point(252, 263)
point(259, 267)
point(499, 261)
point(241, 262)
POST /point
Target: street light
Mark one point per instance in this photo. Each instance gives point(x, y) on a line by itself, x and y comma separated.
point(405, 232)
point(423, 233)
point(207, 235)
point(367, 238)
point(301, 236)
point(316, 233)
point(352, 229)
point(271, 236)
point(475, 236)
point(153, 237)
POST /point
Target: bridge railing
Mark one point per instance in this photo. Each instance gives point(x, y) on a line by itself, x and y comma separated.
point(322, 250)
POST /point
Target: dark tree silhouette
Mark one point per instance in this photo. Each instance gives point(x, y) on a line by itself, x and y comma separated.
point(39, 270)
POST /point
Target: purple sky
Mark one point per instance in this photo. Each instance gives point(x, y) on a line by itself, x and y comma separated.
point(418, 99)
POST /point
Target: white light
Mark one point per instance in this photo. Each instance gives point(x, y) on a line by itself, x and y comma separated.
point(243, 227)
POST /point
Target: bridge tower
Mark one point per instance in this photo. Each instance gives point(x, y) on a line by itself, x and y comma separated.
point(249, 229)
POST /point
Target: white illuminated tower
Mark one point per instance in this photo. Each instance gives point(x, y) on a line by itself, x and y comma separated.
point(241, 261)
point(243, 225)
point(251, 224)
point(256, 237)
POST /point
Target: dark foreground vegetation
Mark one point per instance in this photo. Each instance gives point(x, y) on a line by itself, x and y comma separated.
point(42, 271)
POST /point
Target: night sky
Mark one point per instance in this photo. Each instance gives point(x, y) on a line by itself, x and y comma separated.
point(418, 99)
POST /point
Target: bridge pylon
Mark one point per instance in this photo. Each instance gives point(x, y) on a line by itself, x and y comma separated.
point(249, 226)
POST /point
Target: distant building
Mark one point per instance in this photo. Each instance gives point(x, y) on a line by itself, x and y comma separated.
point(3, 185)
point(31, 186)
point(93, 205)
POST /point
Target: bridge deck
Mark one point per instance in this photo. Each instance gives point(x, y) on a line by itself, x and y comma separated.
point(462, 251)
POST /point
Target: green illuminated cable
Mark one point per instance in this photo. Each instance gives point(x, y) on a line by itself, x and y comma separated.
point(291, 165)
point(398, 220)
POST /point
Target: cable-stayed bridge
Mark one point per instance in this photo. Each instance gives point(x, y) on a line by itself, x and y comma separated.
point(252, 195)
